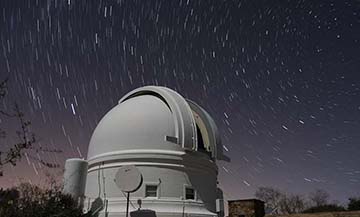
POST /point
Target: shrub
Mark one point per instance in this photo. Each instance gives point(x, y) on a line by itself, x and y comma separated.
point(30, 201)
point(354, 204)
point(324, 208)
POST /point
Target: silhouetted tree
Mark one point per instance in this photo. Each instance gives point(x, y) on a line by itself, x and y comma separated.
point(354, 204)
point(291, 203)
point(319, 197)
point(271, 197)
point(324, 208)
point(8, 199)
point(26, 138)
point(30, 201)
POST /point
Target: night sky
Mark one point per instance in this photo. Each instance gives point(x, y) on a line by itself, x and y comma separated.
point(280, 78)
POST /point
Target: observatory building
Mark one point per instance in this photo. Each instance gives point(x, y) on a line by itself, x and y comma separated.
point(173, 143)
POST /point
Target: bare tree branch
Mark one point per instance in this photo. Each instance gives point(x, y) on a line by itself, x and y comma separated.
point(26, 137)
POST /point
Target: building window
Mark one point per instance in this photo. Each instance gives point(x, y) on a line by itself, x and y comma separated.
point(151, 191)
point(189, 193)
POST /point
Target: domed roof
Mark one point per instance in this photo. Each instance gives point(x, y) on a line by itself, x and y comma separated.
point(156, 118)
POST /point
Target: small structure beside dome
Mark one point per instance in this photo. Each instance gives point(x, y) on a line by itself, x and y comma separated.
point(246, 208)
point(172, 141)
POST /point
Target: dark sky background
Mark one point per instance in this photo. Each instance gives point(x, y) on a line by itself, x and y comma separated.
point(280, 78)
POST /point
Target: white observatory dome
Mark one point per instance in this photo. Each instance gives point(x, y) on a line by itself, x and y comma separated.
point(141, 122)
point(154, 118)
point(173, 142)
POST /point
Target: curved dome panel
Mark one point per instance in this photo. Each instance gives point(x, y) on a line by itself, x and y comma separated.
point(141, 122)
point(185, 127)
point(172, 141)
point(155, 118)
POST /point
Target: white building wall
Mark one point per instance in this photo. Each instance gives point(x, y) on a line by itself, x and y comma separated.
point(156, 129)
point(171, 174)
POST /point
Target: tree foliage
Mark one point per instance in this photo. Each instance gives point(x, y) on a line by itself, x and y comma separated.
point(270, 196)
point(31, 201)
point(280, 202)
point(292, 203)
point(354, 204)
point(325, 208)
point(26, 138)
point(319, 197)
point(284, 203)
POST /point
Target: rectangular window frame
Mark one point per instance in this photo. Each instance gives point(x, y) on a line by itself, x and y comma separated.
point(157, 190)
point(184, 192)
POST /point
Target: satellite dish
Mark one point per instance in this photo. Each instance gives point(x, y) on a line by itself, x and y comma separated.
point(128, 178)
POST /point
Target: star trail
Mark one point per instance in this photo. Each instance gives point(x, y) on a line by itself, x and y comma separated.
point(280, 78)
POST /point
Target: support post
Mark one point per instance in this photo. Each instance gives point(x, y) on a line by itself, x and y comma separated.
point(127, 204)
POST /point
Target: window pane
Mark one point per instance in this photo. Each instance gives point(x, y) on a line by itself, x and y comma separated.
point(190, 194)
point(150, 191)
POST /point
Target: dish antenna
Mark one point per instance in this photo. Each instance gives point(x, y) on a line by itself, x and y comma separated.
point(128, 179)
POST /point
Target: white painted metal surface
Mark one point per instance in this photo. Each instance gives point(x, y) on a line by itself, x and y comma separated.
point(75, 177)
point(155, 129)
point(128, 178)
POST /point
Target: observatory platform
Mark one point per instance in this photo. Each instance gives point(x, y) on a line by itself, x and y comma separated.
point(173, 142)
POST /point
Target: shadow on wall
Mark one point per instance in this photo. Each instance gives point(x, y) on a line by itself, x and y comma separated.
point(203, 182)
